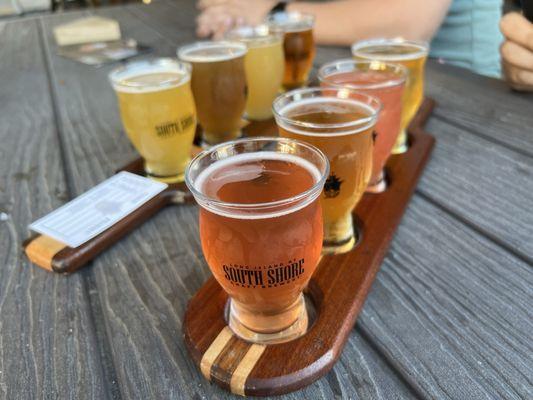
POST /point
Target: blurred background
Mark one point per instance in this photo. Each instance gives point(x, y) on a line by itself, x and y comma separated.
point(18, 7)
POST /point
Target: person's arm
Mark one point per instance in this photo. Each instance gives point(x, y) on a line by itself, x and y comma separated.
point(517, 51)
point(338, 22)
point(345, 21)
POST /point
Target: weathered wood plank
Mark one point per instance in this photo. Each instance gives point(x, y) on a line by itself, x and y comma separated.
point(452, 310)
point(482, 105)
point(484, 183)
point(143, 284)
point(48, 346)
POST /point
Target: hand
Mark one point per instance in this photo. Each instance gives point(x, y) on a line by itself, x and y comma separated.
point(517, 51)
point(219, 16)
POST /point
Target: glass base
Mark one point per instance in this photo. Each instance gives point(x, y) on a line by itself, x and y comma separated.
point(291, 332)
point(339, 248)
point(339, 236)
point(401, 145)
point(210, 140)
point(258, 118)
point(379, 187)
point(167, 179)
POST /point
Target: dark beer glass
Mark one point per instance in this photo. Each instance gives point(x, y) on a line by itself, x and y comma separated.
point(218, 84)
point(298, 45)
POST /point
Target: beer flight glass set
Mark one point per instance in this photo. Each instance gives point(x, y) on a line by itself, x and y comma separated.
point(272, 207)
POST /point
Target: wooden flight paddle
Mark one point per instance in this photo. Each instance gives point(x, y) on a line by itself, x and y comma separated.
point(337, 289)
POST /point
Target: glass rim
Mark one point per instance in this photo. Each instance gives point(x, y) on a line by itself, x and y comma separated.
point(402, 72)
point(254, 35)
point(204, 44)
point(157, 61)
point(293, 17)
point(421, 44)
point(264, 205)
point(359, 124)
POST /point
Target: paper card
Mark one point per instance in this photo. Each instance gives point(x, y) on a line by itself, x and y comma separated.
point(101, 207)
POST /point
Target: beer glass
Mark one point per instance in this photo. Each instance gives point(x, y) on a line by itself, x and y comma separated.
point(340, 122)
point(412, 55)
point(264, 66)
point(298, 45)
point(158, 114)
point(219, 86)
point(261, 229)
point(386, 83)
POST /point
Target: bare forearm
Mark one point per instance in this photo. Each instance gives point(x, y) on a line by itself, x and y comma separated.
point(344, 21)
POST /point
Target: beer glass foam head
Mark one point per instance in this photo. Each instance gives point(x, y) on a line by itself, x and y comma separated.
point(240, 152)
point(150, 75)
point(366, 75)
point(395, 49)
point(211, 51)
point(290, 21)
point(338, 101)
point(254, 36)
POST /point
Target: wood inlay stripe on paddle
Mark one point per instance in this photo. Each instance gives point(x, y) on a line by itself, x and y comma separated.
point(247, 364)
point(214, 351)
point(42, 250)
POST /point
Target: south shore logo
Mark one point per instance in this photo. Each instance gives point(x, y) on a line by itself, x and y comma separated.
point(332, 187)
point(173, 127)
point(268, 276)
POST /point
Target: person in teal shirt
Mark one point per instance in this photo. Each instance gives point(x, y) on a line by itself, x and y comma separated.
point(470, 37)
point(462, 32)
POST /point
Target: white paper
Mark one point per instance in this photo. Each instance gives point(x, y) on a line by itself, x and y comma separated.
point(98, 209)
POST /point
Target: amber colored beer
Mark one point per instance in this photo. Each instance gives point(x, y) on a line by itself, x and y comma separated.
point(261, 230)
point(386, 83)
point(264, 65)
point(339, 122)
point(219, 86)
point(410, 54)
point(158, 114)
point(298, 45)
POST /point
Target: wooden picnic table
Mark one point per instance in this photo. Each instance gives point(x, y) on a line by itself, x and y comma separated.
point(450, 314)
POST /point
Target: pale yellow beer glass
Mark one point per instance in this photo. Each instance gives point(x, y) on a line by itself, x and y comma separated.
point(412, 55)
point(264, 66)
point(340, 122)
point(158, 114)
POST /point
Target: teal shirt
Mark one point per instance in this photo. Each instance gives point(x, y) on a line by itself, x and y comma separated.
point(470, 36)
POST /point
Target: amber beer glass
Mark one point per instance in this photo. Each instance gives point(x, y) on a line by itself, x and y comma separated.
point(298, 45)
point(412, 55)
point(158, 114)
point(386, 83)
point(219, 86)
point(261, 229)
point(264, 66)
point(340, 122)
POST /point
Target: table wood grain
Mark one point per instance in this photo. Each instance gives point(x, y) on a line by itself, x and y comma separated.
point(449, 316)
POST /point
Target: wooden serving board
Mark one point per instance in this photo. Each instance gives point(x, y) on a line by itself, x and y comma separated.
point(337, 289)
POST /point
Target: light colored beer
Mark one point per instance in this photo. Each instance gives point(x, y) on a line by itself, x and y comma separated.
point(411, 55)
point(219, 86)
point(298, 45)
point(261, 232)
point(158, 114)
point(386, 83)
point(339, 122)
point(264, 65)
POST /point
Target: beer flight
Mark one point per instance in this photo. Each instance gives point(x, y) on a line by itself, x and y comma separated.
point(271, 206)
